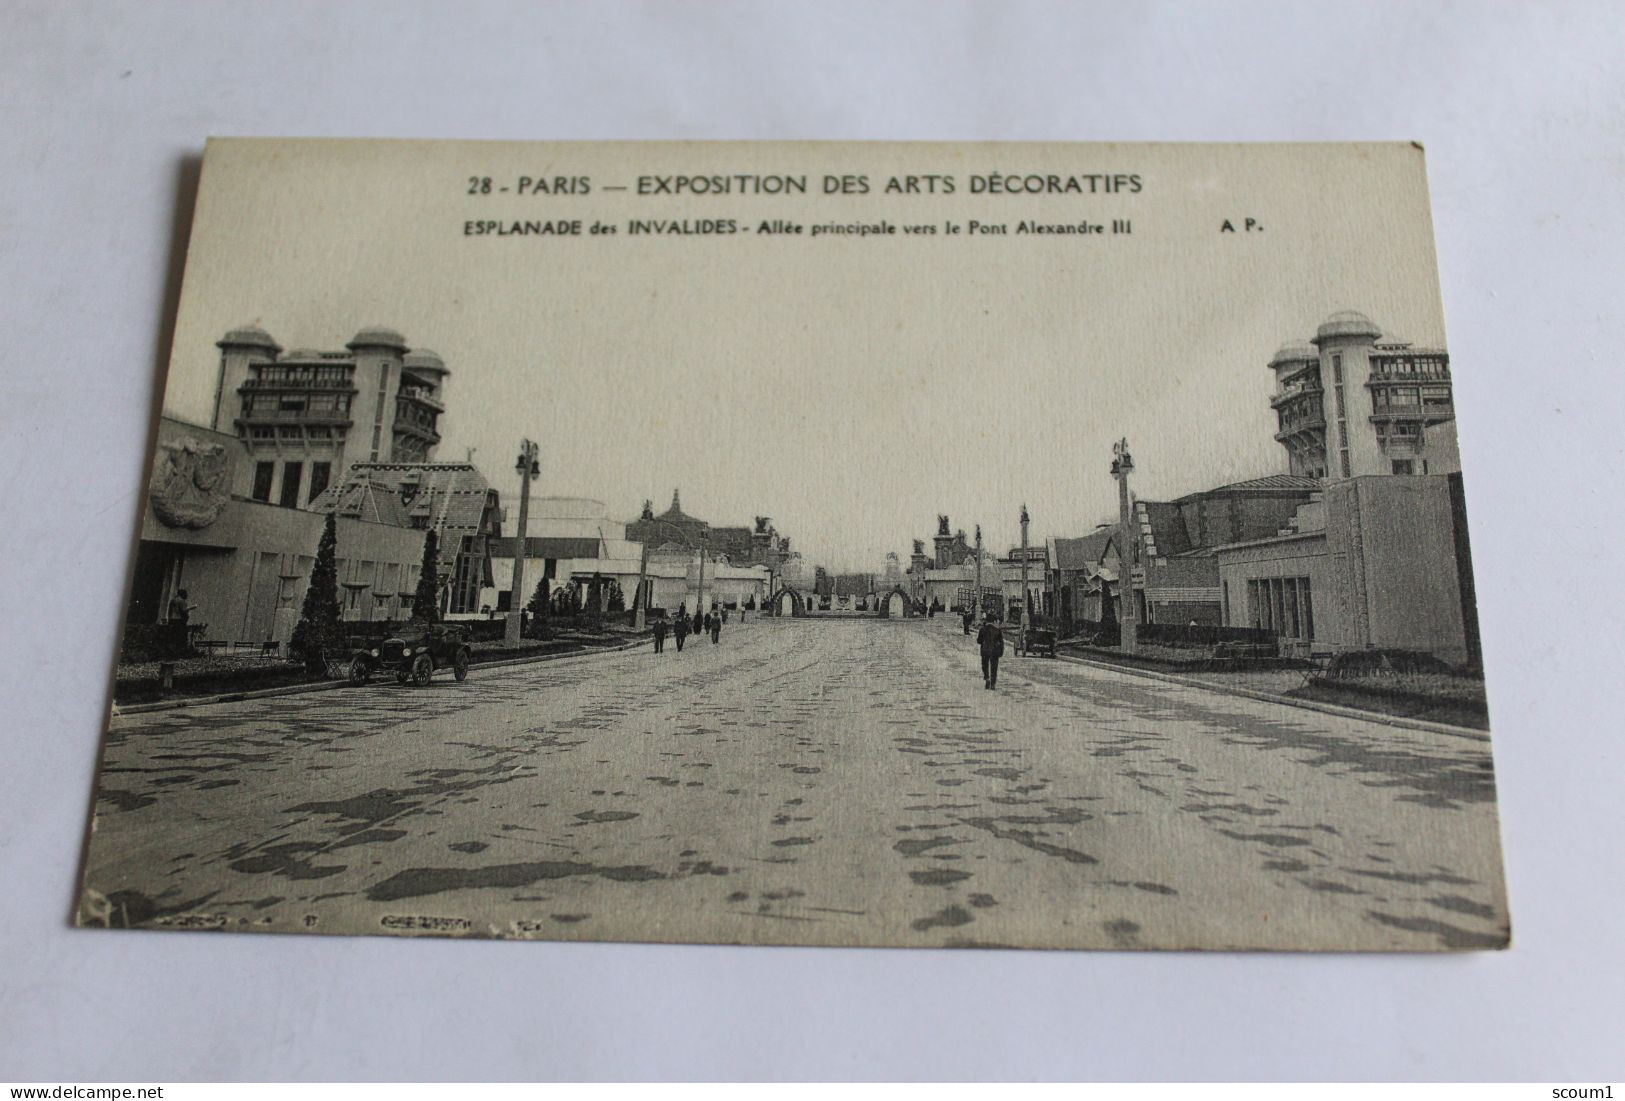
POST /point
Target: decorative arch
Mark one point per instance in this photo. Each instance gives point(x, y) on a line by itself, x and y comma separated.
point(798, 603)
point(896, 596)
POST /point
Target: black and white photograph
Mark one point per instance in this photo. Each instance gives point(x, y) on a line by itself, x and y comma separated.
point(955, 546)
point(751, 542)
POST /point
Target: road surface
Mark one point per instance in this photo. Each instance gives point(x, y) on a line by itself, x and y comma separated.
point(842, 782)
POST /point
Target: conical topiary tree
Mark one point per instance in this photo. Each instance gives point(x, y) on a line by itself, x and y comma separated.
point(317, 631)
point(567, 600)
point(426, 601)
point(537, 609)
point(595, 602)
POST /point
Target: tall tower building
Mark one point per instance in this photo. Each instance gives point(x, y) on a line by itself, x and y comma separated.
point(1350, 403)
point(894, 570)
point(919, 561)
point(306, 415)
point(951, 549)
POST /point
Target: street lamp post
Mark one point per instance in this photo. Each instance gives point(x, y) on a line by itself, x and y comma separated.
point(1127, 614)
point(976, 596)
point(699, 599)
point(1024, 623)
point(640, 602)
point(528, 468)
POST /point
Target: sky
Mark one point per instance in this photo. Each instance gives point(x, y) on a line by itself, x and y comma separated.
point(852, 388)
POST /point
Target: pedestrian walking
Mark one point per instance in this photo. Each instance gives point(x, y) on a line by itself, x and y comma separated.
point(966, 620)
point(660, 635)
point(716, 629)
point(991, 639)
point(679, 631)
point(699, 621)
point(180, 608)
point(180, 619)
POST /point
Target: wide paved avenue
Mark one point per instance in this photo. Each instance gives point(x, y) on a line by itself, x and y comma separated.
point(803, 782)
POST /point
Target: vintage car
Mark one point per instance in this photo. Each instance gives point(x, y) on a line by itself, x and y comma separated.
point(1035, 640)
point(414, 654)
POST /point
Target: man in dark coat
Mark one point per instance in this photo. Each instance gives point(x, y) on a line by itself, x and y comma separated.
point(679, 631)
point(991, 639)
point(716, 628)
point(660, 635)
point(180, 621)
point(699, 621)
point(966, 620)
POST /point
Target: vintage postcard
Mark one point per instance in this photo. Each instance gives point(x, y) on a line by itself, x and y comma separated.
point(1054, 546)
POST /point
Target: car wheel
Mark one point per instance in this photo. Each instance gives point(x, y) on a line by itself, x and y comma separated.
point(422, 667)
point(360, 671)
point(459, 665)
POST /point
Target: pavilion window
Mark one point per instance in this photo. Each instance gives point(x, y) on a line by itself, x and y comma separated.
point(263, 475)
point(292, 475)
point(320, 474)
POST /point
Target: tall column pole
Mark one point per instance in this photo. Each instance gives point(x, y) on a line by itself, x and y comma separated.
point(772, 606)
point(1024, 623)
point(528, 468)
point(640, 604)
point(700, 599)
point(1127, 614)
point(976, 597)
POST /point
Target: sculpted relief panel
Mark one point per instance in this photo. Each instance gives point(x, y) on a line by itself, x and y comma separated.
point(189, 483)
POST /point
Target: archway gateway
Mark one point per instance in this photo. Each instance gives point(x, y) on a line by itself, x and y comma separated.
point(894, 604)
point(787, 602)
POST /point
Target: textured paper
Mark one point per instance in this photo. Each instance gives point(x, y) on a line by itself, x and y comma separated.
point(926, 330)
